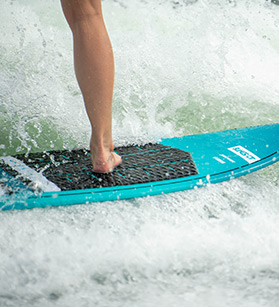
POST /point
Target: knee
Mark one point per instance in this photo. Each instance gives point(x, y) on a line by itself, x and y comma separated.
point(81, 12)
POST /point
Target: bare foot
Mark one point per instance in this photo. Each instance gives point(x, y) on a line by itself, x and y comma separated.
point(105, 164)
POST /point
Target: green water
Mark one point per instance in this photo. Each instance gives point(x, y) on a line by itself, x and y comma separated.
point(182, 67)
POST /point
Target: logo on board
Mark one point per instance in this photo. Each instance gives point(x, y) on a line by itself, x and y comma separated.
point(244, 154)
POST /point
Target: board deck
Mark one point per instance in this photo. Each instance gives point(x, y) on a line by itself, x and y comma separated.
point(65, 178)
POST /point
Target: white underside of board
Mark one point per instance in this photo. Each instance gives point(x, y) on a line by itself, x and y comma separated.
point(39, 182)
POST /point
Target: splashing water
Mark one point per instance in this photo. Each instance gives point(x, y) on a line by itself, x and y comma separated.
point(182, 67)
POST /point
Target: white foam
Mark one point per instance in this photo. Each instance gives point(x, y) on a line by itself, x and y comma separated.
point(202, 67)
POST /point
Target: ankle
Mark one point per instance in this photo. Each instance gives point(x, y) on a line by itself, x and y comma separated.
point(100, 147)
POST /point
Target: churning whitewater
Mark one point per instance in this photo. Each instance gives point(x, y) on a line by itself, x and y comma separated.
point(182, 67)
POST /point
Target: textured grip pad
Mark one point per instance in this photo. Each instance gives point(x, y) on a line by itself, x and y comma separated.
point(72, 170)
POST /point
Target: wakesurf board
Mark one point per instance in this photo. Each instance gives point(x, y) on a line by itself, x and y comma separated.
point(58, 178)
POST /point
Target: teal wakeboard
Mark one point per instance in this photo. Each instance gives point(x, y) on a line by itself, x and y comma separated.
point(58, 178)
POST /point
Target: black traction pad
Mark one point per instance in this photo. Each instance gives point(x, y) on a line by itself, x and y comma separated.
point(72, 170)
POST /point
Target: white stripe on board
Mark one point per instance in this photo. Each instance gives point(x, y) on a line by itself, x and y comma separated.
point(219, 160)
point(228, 158)
point(27, 172)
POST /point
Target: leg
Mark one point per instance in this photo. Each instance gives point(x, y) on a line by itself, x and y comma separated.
point(94, 67)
